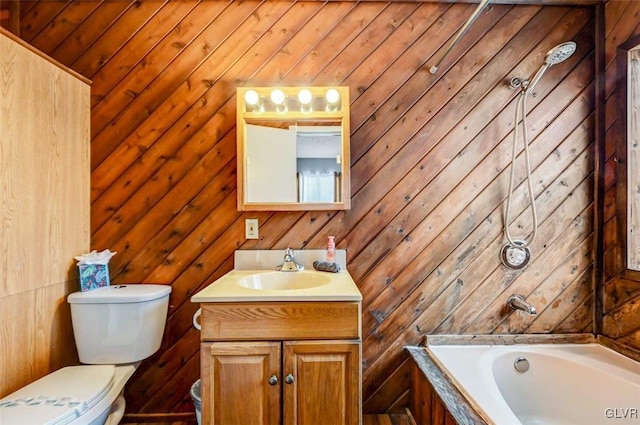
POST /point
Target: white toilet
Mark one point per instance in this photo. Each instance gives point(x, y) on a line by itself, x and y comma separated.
point(115, 328)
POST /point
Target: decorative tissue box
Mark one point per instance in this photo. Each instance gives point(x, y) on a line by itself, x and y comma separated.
point(93, 276)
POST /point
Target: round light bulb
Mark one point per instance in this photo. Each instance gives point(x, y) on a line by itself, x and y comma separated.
point(251, 97)
point(305, 96)
point(277, 96)
point(332, 96)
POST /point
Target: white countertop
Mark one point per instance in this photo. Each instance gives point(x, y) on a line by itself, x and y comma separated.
point(340, 287)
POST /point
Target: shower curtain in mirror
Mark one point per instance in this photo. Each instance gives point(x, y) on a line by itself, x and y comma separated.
point(317, 186)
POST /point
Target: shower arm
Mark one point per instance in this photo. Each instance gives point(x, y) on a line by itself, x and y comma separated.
point(465, 27)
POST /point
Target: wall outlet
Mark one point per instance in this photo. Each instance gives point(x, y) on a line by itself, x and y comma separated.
point(251, 228)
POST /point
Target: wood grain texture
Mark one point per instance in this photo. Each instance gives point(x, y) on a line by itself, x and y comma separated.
point(429, 153)
point(36, 335)
point(281, 320)
point(378, 419)
point(44, 186)
point(313, 363)
point(435, 400)
point(621, 292)
point(241, 371)
point(44, 181)
point(10, 15)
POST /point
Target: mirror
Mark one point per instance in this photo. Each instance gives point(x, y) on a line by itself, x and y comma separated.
point(628, 206)
point(293, 148)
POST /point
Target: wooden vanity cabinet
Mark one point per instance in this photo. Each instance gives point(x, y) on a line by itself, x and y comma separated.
point(296, 373)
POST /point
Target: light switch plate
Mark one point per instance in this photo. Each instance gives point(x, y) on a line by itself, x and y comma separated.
point(251, 228)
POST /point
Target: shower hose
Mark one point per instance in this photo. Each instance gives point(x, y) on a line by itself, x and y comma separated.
point(521, 106)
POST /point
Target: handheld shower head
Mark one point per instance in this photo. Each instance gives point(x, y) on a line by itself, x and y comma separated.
point(558, 54)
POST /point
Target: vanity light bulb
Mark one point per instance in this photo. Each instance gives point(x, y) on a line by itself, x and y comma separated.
point(332, 96)
point(305, 97)
point(253, 102)
point(251, 97)
point(277, 97)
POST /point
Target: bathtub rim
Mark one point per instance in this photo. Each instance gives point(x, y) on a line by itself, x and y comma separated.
point(455, 401)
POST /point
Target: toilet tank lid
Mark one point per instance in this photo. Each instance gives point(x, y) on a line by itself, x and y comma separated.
point(120, 294)
point(58, 398)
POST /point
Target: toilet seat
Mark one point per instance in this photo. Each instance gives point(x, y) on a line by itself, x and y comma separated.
point(58, 398)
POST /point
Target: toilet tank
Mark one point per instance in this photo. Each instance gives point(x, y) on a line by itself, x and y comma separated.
point(120, 323)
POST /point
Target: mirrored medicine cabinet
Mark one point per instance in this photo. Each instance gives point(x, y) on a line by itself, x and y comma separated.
point(293, 148)
point(628, 196)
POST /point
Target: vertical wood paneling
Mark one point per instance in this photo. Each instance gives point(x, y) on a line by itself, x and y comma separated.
point(430, 157)
point(43, 179)
point(426, 406)
point(621, 294)
point(44, 187)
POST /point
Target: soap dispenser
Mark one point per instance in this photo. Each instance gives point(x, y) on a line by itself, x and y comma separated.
point(331, 249)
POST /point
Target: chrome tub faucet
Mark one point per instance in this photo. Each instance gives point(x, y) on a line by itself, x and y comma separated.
point(517, 302)
point(289, 263)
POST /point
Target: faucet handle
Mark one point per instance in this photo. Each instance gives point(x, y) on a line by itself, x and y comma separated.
point(288, 254)
point(289, 263)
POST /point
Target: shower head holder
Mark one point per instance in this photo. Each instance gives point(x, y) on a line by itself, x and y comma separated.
point(558, 54)
point(516, 82)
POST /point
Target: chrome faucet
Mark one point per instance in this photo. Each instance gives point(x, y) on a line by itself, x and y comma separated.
point(517, 302)
point(289, 264)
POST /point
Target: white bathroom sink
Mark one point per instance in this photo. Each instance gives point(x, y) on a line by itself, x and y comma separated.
point(283, 281)
point(269, 285)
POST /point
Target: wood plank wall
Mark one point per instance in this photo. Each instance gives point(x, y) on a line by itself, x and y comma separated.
point(10, 15)
point(430, 156)
point(621, 295)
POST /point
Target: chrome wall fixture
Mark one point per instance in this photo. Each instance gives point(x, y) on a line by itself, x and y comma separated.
point(465, 27)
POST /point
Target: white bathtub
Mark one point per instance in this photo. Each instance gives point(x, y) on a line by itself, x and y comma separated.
point(577, 384)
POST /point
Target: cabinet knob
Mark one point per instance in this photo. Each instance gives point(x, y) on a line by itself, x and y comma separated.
point(273, 380)
point(289, 379)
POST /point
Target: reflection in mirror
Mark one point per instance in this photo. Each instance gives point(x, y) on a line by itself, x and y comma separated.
point(319, 160)
point(293, 149)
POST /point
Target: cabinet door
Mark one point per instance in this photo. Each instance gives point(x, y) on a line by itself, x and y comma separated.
point(271, 165)
point(321, 383)
point(238, 386)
